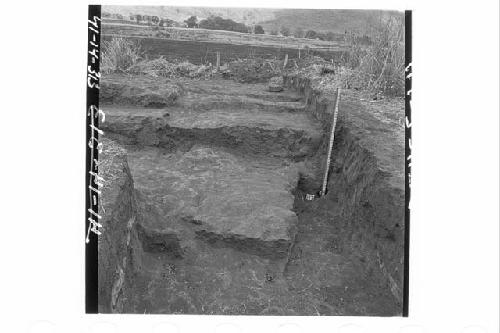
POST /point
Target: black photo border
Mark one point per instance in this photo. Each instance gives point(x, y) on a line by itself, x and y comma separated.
point(91, 146)
point(408, 74)
point(92, 158)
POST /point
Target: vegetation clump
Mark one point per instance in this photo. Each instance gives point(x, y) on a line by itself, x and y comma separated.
point(121, 55)
point(219, 23)
point(160, 67)
point(376, 67)
point(379, 66)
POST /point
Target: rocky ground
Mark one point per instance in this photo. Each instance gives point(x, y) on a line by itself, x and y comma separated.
point(219, 176)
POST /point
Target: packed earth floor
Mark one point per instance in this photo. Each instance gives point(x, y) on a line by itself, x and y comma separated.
point(219, 180)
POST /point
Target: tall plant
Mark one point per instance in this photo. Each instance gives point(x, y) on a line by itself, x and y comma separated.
point(119, 54)
point(380, 65)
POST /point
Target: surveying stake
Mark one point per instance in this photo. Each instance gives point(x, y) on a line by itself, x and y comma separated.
point(311, 197)
point(330, 145)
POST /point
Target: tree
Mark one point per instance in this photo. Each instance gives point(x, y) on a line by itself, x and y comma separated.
point(330, 36)
point(192, 22)
point(285, 31)
point(259, 30)
point(274, 32)
point(155, 19)
point(138, 18)
point(299, 32)
point(321, 36)
point(311, 34)
point(218, 23)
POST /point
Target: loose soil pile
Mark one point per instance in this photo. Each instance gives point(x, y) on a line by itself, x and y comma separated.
point(128, 90)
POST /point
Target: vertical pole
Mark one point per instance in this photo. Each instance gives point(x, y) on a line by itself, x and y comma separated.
point(218, 61)
point(286, 61)
point(330, 144)
point(299, 51)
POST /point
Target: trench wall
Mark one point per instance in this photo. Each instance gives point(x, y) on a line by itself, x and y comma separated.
point(369, 195)
point(117, 208)
point(126, 231)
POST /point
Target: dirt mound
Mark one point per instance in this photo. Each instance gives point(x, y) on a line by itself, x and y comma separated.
point(118, 90)
point(161, 67)
point(256, 70)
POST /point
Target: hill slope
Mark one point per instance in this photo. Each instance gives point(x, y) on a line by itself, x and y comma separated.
point(320, 20)
point(244, 15)
point(334, 20)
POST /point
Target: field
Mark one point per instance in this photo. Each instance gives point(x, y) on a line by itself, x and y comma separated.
point(199, 52)
point(200, 45)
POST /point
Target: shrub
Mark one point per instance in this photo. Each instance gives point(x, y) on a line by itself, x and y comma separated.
point(380, 64)
point(259, 30)
point(192, 22)
point(219, 23)
point(299, 32)
point(285, 31)
point(311, 34)
point(119, 54)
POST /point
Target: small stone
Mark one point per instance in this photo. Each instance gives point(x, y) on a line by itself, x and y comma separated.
point(276, 84)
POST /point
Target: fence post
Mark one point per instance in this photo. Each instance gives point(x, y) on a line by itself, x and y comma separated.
point(218, 61)
point(286, 61)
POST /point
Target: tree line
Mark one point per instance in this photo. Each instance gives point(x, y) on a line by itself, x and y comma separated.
point(219, 23)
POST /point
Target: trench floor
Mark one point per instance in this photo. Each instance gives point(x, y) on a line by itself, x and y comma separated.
point(244, 196)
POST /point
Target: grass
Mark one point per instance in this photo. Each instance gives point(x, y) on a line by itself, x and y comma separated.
point(119, 54)
point(379, 66)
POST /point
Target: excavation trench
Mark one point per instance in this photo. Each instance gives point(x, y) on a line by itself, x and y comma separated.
point(208, 213)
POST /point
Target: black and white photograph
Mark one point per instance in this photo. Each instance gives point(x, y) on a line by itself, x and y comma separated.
point(269, 166)
point(250, 161)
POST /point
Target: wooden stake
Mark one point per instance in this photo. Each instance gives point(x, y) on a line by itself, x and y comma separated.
point(286, 61)
point(218, 61)
point(330, 145)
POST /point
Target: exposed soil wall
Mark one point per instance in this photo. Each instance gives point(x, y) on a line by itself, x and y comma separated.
point(126, 230)
point(365, 184)
point(151, 132)
point(117, 210)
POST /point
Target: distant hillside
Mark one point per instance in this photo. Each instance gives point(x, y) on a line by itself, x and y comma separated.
point(247, 16)
point(320, 20)
point(338, 21)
